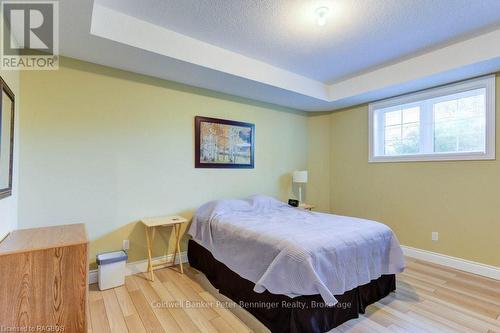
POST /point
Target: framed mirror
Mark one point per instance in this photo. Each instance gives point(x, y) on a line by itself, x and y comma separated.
point(6, 139)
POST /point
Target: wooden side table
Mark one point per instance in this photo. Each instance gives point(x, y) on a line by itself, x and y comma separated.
point(150, 225)
point(306, 206)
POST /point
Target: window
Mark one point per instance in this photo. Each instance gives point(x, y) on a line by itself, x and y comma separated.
point(454, 122)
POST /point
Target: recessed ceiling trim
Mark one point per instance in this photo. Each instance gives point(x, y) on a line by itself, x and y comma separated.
point(454, 57)
point(122, 28)
point(472, 57)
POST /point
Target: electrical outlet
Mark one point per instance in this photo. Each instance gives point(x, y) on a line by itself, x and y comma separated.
point(435, 235)
point(126, 244)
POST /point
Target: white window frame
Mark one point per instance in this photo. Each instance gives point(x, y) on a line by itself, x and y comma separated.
point(486, 82)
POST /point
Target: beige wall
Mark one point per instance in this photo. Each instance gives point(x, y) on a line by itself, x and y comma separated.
point(8, 205)
point(107, 147)
point(459, 199)
point(319, 164)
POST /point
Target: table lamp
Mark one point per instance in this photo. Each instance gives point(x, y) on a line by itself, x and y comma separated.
point(300, 177)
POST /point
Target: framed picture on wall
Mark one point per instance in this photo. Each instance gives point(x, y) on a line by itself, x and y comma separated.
point(6, 139)
point(221, 143)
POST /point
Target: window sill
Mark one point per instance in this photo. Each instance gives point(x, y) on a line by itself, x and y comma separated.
point(433, 157)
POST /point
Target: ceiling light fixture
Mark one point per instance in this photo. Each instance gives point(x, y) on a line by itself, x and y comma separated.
point(321, 15)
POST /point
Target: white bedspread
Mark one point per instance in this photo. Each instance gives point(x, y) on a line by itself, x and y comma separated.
point(295, 252)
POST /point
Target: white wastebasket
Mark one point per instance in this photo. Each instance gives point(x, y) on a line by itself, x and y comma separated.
point(111, 269)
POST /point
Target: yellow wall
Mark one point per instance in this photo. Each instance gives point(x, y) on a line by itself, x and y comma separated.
point(319, 166)
point(459, 199)
point(107, 147)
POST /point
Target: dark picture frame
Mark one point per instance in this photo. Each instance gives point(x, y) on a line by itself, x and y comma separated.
point(6, 92)
point(245, 146)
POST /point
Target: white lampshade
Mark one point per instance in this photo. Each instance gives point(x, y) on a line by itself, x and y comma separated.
point(300, 176)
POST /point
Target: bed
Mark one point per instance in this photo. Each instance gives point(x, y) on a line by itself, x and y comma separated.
point(295, 270)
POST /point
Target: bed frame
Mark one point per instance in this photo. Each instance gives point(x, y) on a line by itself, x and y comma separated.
point(281, 313)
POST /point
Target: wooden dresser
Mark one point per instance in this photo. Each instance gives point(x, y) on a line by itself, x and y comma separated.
point(43, 279)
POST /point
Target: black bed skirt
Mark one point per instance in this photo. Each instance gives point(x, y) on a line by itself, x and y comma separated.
point(281, 313)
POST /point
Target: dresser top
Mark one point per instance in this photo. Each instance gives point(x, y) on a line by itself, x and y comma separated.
point(26, 240)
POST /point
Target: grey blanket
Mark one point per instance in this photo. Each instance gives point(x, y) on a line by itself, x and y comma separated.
point(295, 252)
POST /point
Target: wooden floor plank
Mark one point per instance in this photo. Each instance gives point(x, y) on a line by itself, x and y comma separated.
point(114, 313)
point(125, 302)
point(195, 314)
point(160, 310)
point(417, 283)
point(225, 314)
point(407, 318)
point(94, 293)
point(475, 292)
point(134, 324)
point(380, 316)
point(132, 319)
point(463, 319)
point(424, 277)
point(222, 326)
point(148, 318)
point(429, 298)
point(189, 273)
point(98, 316)
point(444, 323)
point(488, 294)
point(397, 329)
point(456, 308)
point(179, 314)
point(431, 271)
point(89, 321)
point(188, 291)
point(486, 308)
point(130, 283)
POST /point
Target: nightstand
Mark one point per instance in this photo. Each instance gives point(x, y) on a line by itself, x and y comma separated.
point(306, 206)
point(150, 225)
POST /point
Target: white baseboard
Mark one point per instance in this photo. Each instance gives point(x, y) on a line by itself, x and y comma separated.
point(453, 262)
point(142, 265)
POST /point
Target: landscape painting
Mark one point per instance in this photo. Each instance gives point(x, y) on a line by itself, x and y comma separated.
point(221, 143)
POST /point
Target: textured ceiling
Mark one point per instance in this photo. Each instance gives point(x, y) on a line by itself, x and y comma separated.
point(104, 35)
point(360, 34)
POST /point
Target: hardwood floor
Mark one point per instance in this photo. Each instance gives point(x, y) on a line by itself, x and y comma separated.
point(429, 298)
